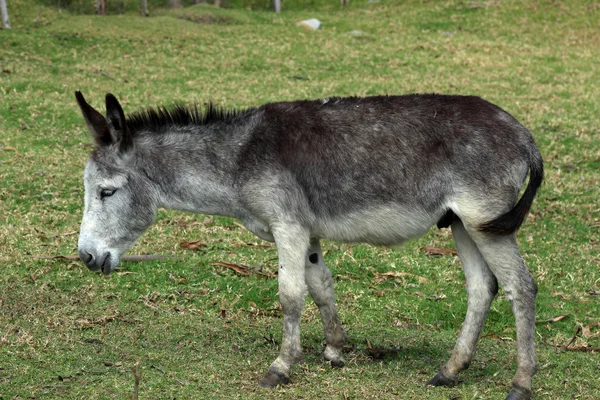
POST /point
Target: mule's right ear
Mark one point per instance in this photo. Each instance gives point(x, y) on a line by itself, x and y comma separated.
point(117, 123)
point(95, 122)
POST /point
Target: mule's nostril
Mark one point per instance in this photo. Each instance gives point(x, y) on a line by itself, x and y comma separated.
point(85, 256)
point(89, 260)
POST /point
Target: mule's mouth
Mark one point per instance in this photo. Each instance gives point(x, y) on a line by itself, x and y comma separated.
point(106, 267)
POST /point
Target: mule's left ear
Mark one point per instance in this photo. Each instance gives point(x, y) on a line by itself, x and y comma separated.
point(117, 123)
point(95, 122)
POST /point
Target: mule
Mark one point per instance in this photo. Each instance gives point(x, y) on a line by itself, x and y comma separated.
point(379, 170)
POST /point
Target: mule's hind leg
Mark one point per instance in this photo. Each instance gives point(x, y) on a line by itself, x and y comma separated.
point(292, 243)
point(320, 287)
point(481, 290)
point(505, 261)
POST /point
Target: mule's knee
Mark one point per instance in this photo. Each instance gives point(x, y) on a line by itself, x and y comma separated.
point(521, 289)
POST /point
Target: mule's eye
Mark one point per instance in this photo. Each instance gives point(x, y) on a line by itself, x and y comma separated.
point(106, 193)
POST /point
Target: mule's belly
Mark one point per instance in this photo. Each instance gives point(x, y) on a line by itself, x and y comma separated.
point(383, 225)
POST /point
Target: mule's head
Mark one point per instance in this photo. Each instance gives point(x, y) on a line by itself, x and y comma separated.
point(120, 201)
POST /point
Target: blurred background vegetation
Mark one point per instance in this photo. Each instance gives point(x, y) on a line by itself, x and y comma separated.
point(130, 6)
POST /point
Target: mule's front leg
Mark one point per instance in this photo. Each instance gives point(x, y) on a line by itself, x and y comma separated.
point(320, 287)
point(292, 244)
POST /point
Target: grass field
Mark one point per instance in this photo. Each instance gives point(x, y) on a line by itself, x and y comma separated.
point(201, 330)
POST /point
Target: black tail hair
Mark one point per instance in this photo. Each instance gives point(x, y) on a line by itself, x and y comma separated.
point(509, 222)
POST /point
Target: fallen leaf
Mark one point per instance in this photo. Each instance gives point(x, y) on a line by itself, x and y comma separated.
point(262, 246)
point(240, 269)
point(558, 318)
point(438, 251)
point(193, 245)
point(73, 265)
point(587, 330)
point(8, 148)
point(437, 297)
point(386, 275)
point(555, 319)
point(380, 353)
point(497, 337)
point(86, 323)
point(65, 234)
point(272, 312)
point(490, 336)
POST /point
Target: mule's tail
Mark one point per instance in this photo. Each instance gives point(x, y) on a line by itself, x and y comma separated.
point(509, 222)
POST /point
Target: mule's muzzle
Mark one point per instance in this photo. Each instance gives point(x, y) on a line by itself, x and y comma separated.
point(96, 262)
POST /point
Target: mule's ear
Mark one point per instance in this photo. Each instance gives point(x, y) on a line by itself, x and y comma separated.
point(95, 122)
point(117, 123)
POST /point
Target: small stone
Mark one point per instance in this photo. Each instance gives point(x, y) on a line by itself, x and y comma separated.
point(312, 23)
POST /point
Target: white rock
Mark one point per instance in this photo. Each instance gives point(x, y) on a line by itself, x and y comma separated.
point(312, 23)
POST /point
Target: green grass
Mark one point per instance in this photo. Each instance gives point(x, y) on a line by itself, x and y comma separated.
point(201, 331)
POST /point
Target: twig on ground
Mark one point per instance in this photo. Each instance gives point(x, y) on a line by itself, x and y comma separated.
point(579, 329)
point(133, 258)
point(138, 377)
point(105, 74)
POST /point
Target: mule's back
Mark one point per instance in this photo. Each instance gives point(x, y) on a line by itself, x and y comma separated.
point(393, 157)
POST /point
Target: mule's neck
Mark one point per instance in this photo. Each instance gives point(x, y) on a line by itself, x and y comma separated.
point(194, 168)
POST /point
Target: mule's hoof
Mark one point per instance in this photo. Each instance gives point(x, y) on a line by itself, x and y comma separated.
point(441, 380)
point(274, 378)
point(519, 393)
point(339, 363)
point(334, 356)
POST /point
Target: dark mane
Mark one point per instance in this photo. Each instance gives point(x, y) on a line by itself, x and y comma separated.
point(160, 118)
